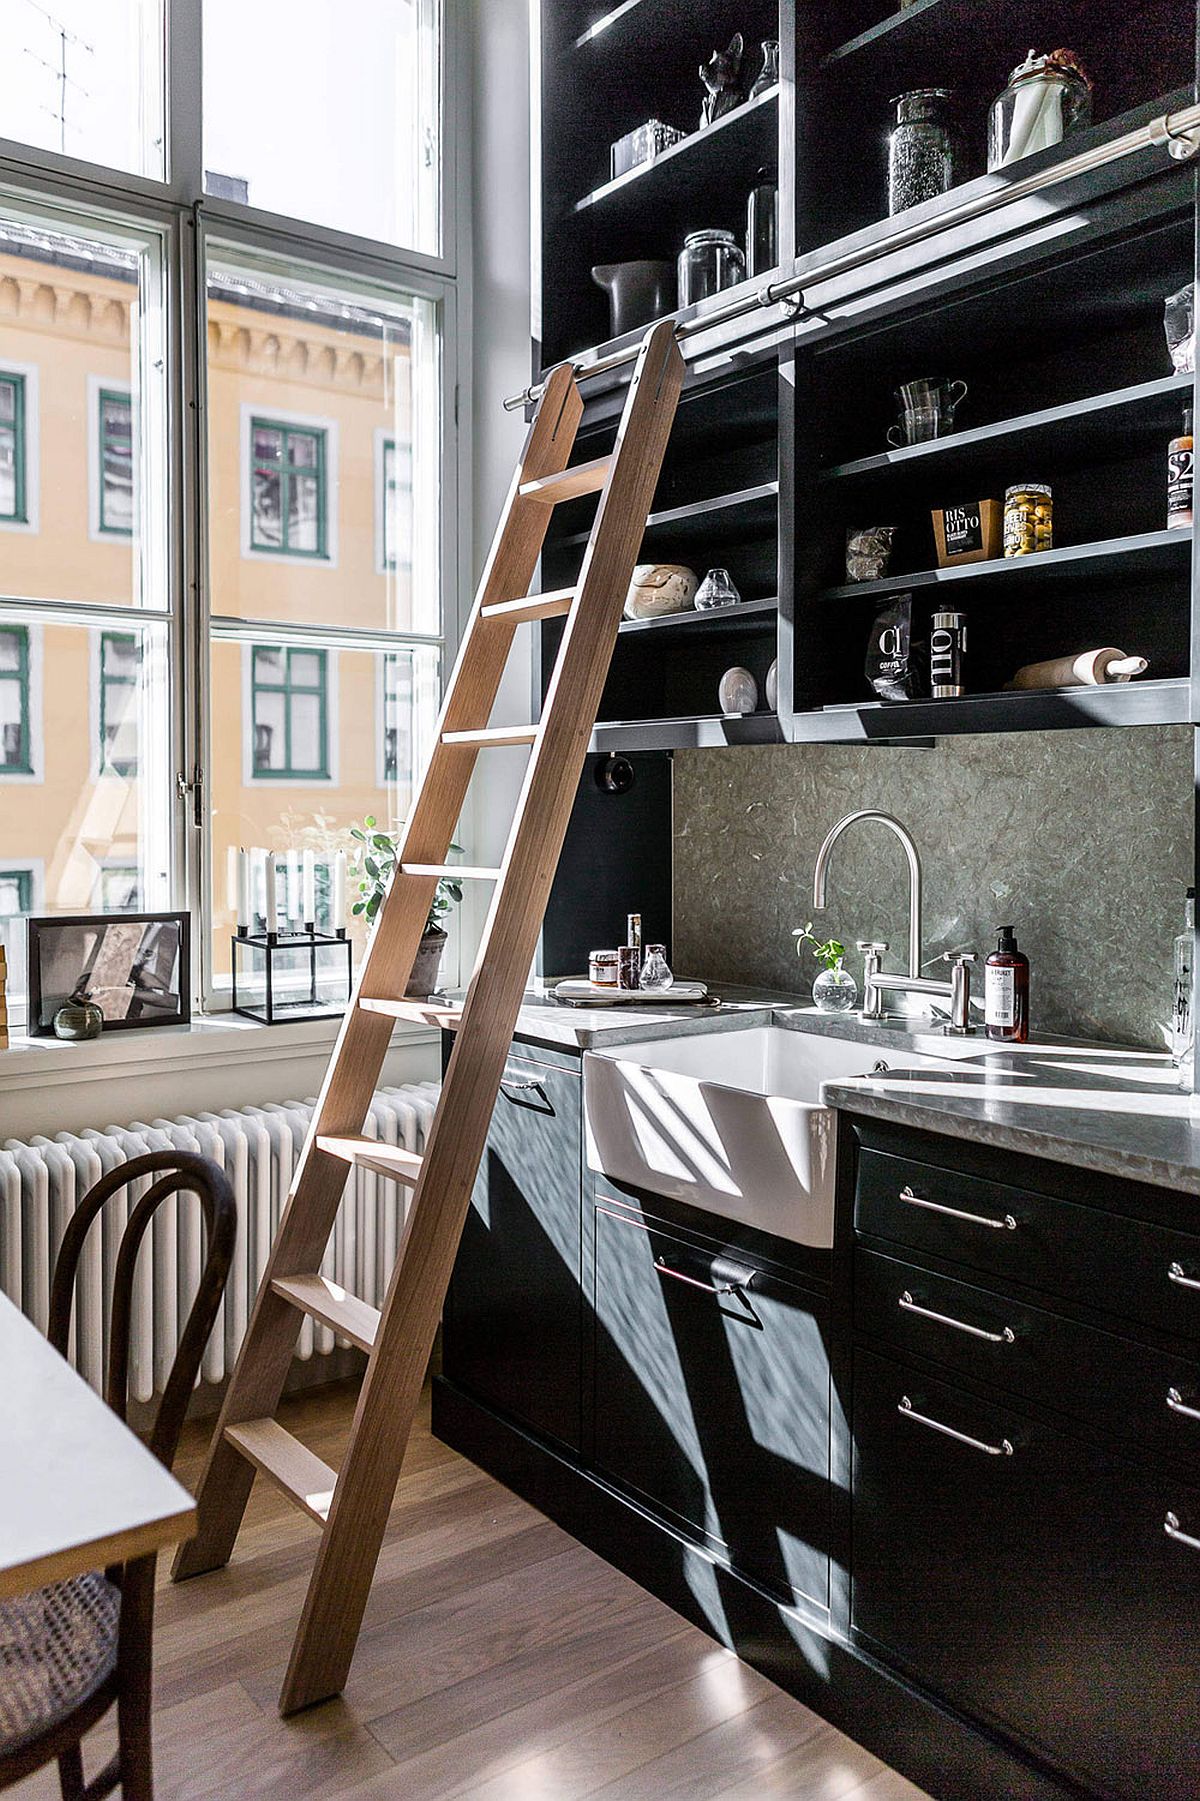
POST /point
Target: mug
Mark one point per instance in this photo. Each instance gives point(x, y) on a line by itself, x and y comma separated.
point(927, 409)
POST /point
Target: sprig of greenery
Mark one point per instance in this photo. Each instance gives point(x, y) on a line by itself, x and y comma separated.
point(829, 951)
point(376, 855)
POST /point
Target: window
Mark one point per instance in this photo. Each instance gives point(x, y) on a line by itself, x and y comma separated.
point(16, 735)
point(118, 889)
point(114, 430)
point(395, 505)
point(16, 892)
point(289, 713)
point(287, 489)
point(12, 449)
point(87, 77)
point(120, 675)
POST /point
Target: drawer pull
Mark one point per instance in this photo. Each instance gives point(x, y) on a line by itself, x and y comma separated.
point(1177, 1404)
point(1175, 1274)
point(1006, 1335)
point(1171, 1528)
point(1003, 1449)
point(744, 1279)
point(521, 1084)
point(1007, 1224)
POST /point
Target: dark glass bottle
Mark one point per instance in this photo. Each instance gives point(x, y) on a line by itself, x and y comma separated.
point(1006, 990)
point(762, 225)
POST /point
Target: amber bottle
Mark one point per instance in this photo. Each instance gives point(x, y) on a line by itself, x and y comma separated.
point(1180, 455)
point(1006, 990)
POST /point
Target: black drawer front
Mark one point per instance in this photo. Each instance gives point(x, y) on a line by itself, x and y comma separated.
point(1147, 1397)
point(1128, 1267)
point(712, 1399)
point(1029, 1578)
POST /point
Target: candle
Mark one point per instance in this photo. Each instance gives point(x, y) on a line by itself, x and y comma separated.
point(339, 891)
point(272, 902)
point(233, 893)
point(308, 910)
point(293, 899)
point(245, 913)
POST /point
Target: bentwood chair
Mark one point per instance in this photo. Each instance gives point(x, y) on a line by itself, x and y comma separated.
point(70, 1651)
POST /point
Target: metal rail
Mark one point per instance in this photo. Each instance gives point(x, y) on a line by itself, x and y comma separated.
point(1178, 133)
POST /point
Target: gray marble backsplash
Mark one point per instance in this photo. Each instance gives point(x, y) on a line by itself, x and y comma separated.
point(1081, 840)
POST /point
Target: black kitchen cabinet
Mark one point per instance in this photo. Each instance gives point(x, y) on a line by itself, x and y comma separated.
point(512, 1335)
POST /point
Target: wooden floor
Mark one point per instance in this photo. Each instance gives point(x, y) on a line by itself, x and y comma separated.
point(499, 1660)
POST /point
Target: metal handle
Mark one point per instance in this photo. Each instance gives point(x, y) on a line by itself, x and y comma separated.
point(1003, 1449)
point(1171, 1528)
point(1175, 1274)
point(1005, 1336)
point(677, 1275)
point(521, 1084)
point(1007, 1224)
point(1177, 1404)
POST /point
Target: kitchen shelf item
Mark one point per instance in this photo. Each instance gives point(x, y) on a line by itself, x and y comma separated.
point(924, 149)
point(660, 590)
point(641, 145)
point(710, 261)
point(1028, 519)
point(1046, 98)
point(638, 292)
point(1141, 553)
point(716, 590)
point(762, 225)
point(708, 155)
point(927, 408)
point(1089, 669)
point(972, 533)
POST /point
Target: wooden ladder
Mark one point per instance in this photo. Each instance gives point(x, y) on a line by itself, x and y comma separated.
point(352, 1504)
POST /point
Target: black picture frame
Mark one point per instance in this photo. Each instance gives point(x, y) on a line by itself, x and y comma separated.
point(155, 1005)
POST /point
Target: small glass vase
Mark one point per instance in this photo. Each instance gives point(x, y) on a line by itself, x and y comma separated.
point(656, 975)
point(716, 590)
point(835, 990)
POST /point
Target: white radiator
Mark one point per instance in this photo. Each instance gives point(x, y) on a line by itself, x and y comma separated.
point(41, 1182)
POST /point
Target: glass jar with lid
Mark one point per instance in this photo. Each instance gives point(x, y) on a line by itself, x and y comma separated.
point(1046, 97)
point(924, 148)
point(709, 261)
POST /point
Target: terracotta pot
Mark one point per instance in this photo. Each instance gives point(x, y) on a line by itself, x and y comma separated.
point(426, 964)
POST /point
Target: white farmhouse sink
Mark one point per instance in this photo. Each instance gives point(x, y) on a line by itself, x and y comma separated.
point(729, 1121)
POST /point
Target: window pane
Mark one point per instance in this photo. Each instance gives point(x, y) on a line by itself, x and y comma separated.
point(85, 77)
point(328, 113)
point(308, 381)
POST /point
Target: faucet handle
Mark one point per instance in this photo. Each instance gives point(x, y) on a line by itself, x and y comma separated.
point(868, 945)
point(960, 958)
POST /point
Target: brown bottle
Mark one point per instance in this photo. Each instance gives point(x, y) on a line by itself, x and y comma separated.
point(1180, 455)
point(1006, 990)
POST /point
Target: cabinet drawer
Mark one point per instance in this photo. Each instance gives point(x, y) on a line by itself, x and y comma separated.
point(1030, 1579)
point(1143, 1396)
point(1128, 1267)
point(712, 1398)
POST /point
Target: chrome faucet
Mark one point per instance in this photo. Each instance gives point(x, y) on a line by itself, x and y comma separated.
point(914, 877)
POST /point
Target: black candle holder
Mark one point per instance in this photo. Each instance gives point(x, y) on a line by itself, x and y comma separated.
point(282, 976)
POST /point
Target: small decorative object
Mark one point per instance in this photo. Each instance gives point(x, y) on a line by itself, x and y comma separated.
point(629, 965)
point(1179, 322)
point(377, 856)
point(738, 691)
point(722, 76)
point(968, 534)
point(868, 552)
point(891, 663)
point(768, 76)
point(604, 969)
point(835, 990)
point(709, 261)
point(134, 968)
point(762, 225)
point(79, 1018)
point(642, 145)
point(1028, 519)
point(1090, 669)
point(291, 975)
point(716, 590)
point(638, 292)
point(924, 150)
point(927, 408)
point(660, 588)
point(1046, 97)
point(772, 686)
point(614, 774)
point(947, 655)
point(656, 975)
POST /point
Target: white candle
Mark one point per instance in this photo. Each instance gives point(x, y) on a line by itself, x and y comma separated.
point(233, 893)
point(272, 901)
point(339, 891)
point(293, 900)
point(309, 909)
point(244, 917)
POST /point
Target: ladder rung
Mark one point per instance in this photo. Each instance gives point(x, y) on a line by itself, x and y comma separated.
point(333, 1306)
point(567, 484)
point(533, 606)
point(465, 872)
point(422, 1013)
point(494, 734)
point(295, 1469)
point(369, 1153)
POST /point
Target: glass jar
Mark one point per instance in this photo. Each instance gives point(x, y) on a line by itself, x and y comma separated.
point(655, 973)
point(708, 262)
point(1046, 97)
point(602, 969)
point(924, 148)
point(762, 225)
point(835, 990)
point(1028, 519)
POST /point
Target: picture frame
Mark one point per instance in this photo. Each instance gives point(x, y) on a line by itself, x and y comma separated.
point(136, 965)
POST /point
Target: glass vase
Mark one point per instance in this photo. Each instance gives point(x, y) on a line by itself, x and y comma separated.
point(835, 990)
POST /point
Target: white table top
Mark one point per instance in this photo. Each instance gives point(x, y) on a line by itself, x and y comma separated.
point(77, 1489)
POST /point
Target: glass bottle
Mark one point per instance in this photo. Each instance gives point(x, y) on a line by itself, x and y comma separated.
point(762, 224)
point(924, 148)
point(1183, 1033)
point(768, 75)
point(708, 262)
point(655, 973)
point(1180, 463)
point(716, 590)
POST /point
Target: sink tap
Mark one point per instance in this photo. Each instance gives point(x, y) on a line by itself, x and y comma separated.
point(876, 983)
point(914, 882)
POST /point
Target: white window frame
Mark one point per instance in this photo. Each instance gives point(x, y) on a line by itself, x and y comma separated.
point(37, 749)
point(251, 410)
point(97, 385)
point(37, 869)
point(103, 865)
point(32, 523)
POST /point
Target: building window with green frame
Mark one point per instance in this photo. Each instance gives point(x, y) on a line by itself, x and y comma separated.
point(120, 682)
point(289, 705)
point(13, 507)
point(288, 489)
point(396, 503)
point(16, 892)
point(114, 428)
point(16, 748)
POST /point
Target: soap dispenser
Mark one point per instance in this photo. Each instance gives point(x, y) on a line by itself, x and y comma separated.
point(1006, 990)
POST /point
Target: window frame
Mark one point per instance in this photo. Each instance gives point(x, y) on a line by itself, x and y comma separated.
point(100, 389)
point(127, 769)
point(25, 677)
point(287, 773)
point(322, 434)
point(21, 869)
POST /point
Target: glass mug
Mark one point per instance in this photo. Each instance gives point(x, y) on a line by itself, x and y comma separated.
point(927, 411)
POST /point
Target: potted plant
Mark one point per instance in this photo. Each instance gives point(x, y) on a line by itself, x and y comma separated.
point(376, 855)
point(835, 990)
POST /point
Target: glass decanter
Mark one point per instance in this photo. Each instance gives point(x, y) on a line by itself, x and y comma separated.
point(655, 973)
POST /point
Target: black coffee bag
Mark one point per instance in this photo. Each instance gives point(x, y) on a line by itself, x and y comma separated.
point(892, 660)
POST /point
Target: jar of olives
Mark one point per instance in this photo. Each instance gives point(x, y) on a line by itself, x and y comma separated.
point(1028, 519)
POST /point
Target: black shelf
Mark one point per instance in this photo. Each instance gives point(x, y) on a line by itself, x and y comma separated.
point(1140, 554)
point(879, 34)
point(748, 615)
point(701, 731)
point(710, 152)
point(1052, 709)
point(618, 16)
point(756, 507)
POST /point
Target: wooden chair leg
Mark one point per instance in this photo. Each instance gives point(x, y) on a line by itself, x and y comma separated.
point(134, 1737)
point(70, 1773)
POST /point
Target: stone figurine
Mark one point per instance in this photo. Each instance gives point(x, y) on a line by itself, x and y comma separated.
point(722, 76)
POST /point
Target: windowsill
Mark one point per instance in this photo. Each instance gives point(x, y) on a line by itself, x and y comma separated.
point(215, 1039)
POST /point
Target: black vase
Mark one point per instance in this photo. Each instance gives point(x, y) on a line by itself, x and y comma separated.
point(638, 292)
